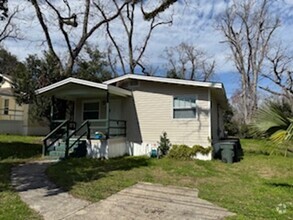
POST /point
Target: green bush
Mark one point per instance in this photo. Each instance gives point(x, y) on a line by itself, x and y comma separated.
point(183, 152)
point(164, 144)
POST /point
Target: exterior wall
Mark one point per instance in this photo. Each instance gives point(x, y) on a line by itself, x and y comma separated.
point(111, 148)
point(214, 120)
point(78, 112)
point(6, 85)
point(16, 112)
point(129, 114)
point(153, 105)
point(217, 121)
point(11, 127)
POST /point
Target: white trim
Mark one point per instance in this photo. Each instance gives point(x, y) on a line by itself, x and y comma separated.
point(119, 91)
point(165, 80)
point(6, 78)
point(71, 80)
point(112, 89)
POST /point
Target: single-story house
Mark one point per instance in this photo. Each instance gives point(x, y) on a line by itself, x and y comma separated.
point(132, 111)
point(14, 118)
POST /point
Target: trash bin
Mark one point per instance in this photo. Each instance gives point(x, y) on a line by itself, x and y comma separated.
point(238, 151)
point(227, 152)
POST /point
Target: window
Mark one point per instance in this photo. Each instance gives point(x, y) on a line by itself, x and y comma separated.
point(91, 110)
point(6, 107)
point(184, 106)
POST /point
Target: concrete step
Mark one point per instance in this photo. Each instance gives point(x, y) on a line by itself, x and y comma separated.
point(57, 153)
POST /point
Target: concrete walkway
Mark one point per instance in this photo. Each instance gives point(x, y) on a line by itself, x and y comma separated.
point(141, 201)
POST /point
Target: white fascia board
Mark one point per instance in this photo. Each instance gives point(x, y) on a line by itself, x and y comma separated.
point(119, 91)
point(165, 80)
point(71, 80)
point(6, 78)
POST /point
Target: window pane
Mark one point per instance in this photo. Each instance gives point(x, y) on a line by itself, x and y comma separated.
point(176, 103)
point(91, 106)
point(91, 110)
point(184, 113)
point(6, 107)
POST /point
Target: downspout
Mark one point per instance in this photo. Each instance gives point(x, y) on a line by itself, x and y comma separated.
point(52, 112)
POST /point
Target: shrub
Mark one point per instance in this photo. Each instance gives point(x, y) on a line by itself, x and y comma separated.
point(183, 152)
point(164, 144)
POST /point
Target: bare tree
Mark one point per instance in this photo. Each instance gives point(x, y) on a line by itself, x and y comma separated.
point(7, 27)
point(281, 74)
point(248, 27)
point(188, 62)
point(89, 17)
point(130, 58)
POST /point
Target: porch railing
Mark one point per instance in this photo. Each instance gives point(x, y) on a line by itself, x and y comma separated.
point(66, 130)
point(55, 135)
point(82, 131)
point(110, 128)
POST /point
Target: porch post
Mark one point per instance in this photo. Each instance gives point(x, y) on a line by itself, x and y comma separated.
point(108, 113)
point(52, 112)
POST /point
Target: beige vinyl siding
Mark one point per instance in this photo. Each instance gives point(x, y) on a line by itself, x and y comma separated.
point(154, 109)
point(215, 120)
point(15, 111)
point(129, 113)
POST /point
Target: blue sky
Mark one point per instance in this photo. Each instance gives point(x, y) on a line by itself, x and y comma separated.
point(193, 23)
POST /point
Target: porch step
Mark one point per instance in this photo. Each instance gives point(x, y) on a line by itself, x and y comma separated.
point(57, 153)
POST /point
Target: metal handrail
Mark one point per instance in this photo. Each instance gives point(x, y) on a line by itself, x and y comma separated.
point(87, 132)
point(45, 146)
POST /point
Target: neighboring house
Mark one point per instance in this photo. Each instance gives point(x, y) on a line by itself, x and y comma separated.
point(14, 118)
point(134, 110)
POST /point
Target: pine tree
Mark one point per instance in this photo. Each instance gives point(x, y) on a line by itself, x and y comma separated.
point(164, 144)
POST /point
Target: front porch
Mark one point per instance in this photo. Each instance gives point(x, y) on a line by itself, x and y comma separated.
point(96, 118)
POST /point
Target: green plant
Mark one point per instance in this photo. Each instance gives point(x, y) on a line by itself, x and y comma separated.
point(164, 144)
point(271, 120)
point(184, 152)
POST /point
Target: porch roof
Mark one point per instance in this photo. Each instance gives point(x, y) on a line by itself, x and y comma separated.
point(71, 88)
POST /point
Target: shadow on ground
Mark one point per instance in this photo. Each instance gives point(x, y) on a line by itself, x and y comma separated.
point(68, 172)
point(283, 185)
point(19, 150)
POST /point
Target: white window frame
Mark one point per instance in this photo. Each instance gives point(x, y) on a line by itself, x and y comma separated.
point(91, 101)
point(184, 96)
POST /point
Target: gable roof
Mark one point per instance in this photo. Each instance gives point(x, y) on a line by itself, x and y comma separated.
point(165, 80)
point(6, 77)
point(68, 81)
point(80, 82)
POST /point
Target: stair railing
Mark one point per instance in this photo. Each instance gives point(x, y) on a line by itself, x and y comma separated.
point(87, 132)
point(53, 134)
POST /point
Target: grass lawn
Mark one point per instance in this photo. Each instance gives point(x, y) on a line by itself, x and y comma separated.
point(253, 188)
point(14, 150)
